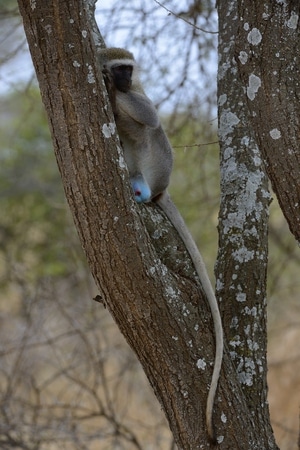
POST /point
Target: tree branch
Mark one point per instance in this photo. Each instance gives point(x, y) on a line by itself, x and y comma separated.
point(268, 32)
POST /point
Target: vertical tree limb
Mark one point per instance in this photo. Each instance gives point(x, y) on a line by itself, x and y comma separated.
point(267, 53)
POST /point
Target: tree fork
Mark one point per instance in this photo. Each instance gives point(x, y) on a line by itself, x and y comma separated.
point(161, 311)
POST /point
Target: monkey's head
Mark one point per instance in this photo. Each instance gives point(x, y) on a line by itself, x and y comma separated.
point(120, 64)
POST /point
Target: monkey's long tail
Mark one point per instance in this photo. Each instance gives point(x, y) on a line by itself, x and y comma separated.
point(175, 217)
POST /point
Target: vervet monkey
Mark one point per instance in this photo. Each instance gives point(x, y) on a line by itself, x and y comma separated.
point(149, 158)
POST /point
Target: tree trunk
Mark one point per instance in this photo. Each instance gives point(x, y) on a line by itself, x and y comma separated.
point(243, 228)
point(267, 50)
point(138, 262)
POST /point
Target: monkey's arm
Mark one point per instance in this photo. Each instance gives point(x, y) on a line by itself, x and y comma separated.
point(138, 107)
point(110, 87)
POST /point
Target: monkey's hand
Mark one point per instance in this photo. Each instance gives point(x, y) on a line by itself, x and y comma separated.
point(110, 87)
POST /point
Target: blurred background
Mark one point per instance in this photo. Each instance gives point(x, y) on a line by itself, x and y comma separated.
point(68, 379)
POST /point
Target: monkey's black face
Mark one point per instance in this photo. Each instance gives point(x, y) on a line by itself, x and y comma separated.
point(122, 77)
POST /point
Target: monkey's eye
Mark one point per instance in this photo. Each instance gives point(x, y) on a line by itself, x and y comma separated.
point(123, 69)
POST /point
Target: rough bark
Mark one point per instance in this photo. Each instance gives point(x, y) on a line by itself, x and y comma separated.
point(144, 276)
point(243, 228)
point(267, 53)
